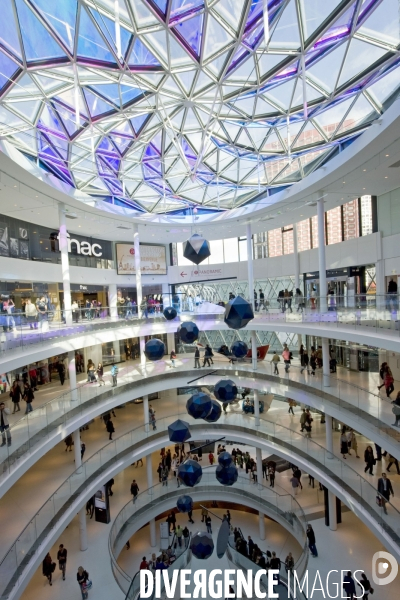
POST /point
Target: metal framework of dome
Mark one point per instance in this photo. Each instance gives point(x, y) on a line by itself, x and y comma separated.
point(169, 106)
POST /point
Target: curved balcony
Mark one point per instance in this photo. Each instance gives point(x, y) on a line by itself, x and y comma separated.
point(281, 507)
point(32, 544)
point(364, 325)
point(35, 433)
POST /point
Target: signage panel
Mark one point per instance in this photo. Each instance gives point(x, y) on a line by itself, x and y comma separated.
point(153, 259)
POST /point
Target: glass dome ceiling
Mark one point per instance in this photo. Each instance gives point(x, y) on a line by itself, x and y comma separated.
point(161, 105)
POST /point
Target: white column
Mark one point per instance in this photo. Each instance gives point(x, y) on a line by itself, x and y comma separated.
point(257, 408)
point(332, 511)
point(326, 372)
point(142, 344)
point(261, 522)
point(112, 300)
point(63, 245)
point(250, 275)
point(83, 543)
point(77, 450)
point(146, 412)
point(296, 258)
point(149, 472)
point(153, 536)
point(321, 256)
point(380, 275)
point(139, 295)
point(329, 436)
point(72, 375)
point(259, 467)
point(170, 342)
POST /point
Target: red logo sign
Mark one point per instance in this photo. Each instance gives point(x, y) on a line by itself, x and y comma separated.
point(132, 251)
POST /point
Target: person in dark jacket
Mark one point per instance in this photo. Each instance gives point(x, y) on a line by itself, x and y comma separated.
point(15, 395)
point(365, 586)
point(275, 563)
point(110, 428)
point(61, 371)
point(208, 354)
point(48, 568)
point(134, 490)
point(369, 460)
point(311, 541)
point(385, 490)
point(28, 397)
point(62, 559)
point(82, 578)
point(349, 587)
point(197, 358)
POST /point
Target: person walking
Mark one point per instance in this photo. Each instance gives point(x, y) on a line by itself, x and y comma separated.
point(134, 490)
point(289, 563)
point(48, 568)
point(164, 476)
point(83, 449)
point(349, 587)
point(173, 357)
point(297, 474)
point(31, 314)
point(369, 460)
point(100, 373)
point(392, 461)
point(344, 444)
point(190, 515)
point(275, 563)
point(365, 586)
point(62, 559)
point(4, 425)
point(388, 381)
point(303, 420)
point(197, 358)
point(295, 485)
point(33, 378)
point(179, 534)
point(291, 403)
point(311, 541)
point(352, 442)
point(204, 514)
point(275, 360)
point(385, 490)
point(28, 397)
point(15, 395)
point(83, 581)
point(396, 410)
point(313, 362)
point(286, 355)
point(153, 420)
point(68, 443)
point(305, 361)
point(61, 371)
point(114, 375)
point(271, 475)
point(207, 356)
point(110, 428)
point(208, 524)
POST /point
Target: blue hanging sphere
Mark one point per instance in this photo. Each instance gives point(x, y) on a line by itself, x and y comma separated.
point(196, 249)
point(184, 504)
point(225, 390)
point(154, 349)
point(225, 459)
point(190, 472)
point(179, 431)
point(188, 332)
point(199, 405)
point(169, 313)
point(202, 545)
point(226, 475)
point(214, 413)
point(238, 313)
point(239, 349)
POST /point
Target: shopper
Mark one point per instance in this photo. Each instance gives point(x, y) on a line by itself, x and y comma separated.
point(68, 443)
point(83, 450)
point(208, 354)
point(84, 583)
point(15, 395)
point(134, 490)
point(344, 447)
point(369, 460)
point(365, 586)
point(61, 371)
point(4, 425)
point(179, 534)
point(289, 562)
point(385, 490)
point(190, 515)
point(164, 476)
point(388, 381)
point(204, 513)
point(100, 373)
point(392, 461)
point(144, 564)
point(352, 441)
point(172, 357)
point(275, 360)
point(396, 410)
point(305, 361)
point(303, 420)
point(171, 520)
point(62, 559)
point(197, 358)
point(311, 541)
point(295, 484)
point(110, 428)
point(291, 403)
point(33, 378)
point(153, 420)
point(28, 397)
point(48, 567)
point(286, 355)
point(114, 375)
point(31, 314)
point(313, 361)
point(382, 374)
point(349, 587)
point(275, 563)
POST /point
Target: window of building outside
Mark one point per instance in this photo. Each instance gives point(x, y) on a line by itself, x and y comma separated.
point(366, 215)
point(287, 236)
point(350, 220)
point(242, 248)
point(314, 231)
point(260, 243)
point(334, 225)
point(304, 235)
point(275, 242)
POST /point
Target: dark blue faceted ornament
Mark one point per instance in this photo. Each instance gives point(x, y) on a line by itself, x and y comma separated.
point(239, 349)
point(226, 475)
point(225, 390)
point(224, 459)
point(196, 249)
point(188, 332)
point(202, 545)
point(179, 431)
point(199, 405)
point(190, 472)
point(214, 413)
point(169, 313)
point(154, 349)
point(184, 504)
point(238, 313)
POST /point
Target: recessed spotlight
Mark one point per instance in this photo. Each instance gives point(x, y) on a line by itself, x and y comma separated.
point(386, 176)
point(386, 154)
point(343, 182)
point(364, 170)
point(363, 188)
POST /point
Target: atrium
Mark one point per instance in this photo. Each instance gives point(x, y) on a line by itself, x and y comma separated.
point(199, 303)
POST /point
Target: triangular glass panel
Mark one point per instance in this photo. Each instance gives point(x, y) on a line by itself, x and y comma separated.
point(326, 70)
point(314, 13)
point(298, 97)
point(273, 143)
point(329, 119)
point(246, 105)
point(308, 137)
point(129, 94)
point(383, 23)
point(141, 56)
point(231, 12)
point(182, 8)
point(37, 41)
point(382, 89)
point(339, 30)
point(359, 57)
point(190, 33)
point(107, 27)
point(203, 80)
point(28, 110)
point(138, 122)
point(286, 32)
point(263, 107)
point(177, 119)
point(159, 5)
point(157, 41)
point(186, 79)
point(49, 85)
point(90, 43)
point(360, 112)
point(9, 32)
point(110, 91)
point(282, 94)
point(267, 61)
point(258, 133)
point(96, 105)
point(216, 65)
point(61, 17)
point(7, 69)
point(216, 37)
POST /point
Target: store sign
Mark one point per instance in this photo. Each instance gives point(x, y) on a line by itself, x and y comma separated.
point(83, 247)
point(152, 259)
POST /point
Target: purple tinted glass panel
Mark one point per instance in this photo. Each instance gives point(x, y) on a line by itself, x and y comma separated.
point(159, 5)
point(191, 32)
point(141, 56)
point(183, 8)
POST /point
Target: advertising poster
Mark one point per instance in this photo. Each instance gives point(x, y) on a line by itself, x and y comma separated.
point(102, 505)
point(152, 259)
